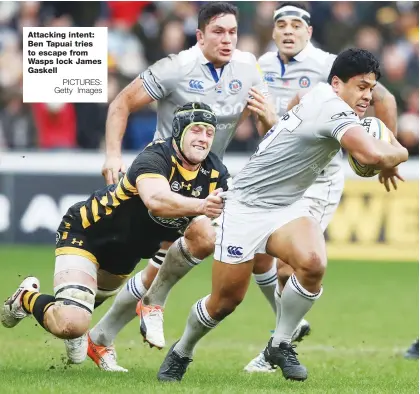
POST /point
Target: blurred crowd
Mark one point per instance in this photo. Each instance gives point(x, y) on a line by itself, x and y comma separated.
point(140, 33)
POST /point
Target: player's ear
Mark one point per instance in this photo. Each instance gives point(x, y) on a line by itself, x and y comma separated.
point(335, 83)
point(310, 31)
point(200, 36)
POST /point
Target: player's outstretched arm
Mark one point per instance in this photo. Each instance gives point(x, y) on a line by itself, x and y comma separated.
point(385, 107)
point(130, 99)
point(370, 151)
point(161, 201)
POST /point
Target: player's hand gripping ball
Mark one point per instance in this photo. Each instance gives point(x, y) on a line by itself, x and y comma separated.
point(377, 129)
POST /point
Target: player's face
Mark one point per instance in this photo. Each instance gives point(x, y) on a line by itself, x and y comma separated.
point(356, 92)
point(291, 36)
point(197, 142)
point(218, 41)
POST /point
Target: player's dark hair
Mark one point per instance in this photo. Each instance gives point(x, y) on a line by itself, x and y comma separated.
point(352, 62)
point(296, 4)
point(214, 8)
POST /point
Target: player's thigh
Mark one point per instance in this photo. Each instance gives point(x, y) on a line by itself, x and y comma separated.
point(229, 285)
point(108, 284)
point(299, 243)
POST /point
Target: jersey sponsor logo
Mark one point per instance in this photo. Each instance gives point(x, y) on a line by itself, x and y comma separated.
point(175, 186)
point(343, 114)
point(304, 82)
point(225, 126)
point(235, 251)
point(269, 77)
point(235, 86)
point(176, 223)
point(196, 86)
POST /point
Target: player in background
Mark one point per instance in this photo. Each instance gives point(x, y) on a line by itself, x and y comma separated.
point(298, 66)
point(265, 210)
point(218, 74)
point(412, 352)
point(100, 241)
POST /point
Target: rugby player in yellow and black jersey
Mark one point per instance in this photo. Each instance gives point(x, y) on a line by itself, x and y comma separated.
point(101, 240)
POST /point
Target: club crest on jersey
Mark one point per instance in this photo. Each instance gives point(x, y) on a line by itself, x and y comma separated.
point(176, 187)
point(235, 86)
point(218, 88)
point(269, 77)
point(304, 82)
point(196, 86)
point(197, 191)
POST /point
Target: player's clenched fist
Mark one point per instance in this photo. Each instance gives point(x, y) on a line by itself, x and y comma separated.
point(212, 205)
point(112, 166)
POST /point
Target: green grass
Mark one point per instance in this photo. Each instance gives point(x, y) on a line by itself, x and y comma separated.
point(366, 318)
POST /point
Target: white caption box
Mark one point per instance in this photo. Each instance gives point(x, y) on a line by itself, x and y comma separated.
point(65, 64)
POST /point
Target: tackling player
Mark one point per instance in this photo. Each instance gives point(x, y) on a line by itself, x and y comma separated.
point(298, 66)
point(100, 241)
point(265, 210)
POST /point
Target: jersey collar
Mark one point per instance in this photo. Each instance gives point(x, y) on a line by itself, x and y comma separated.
point(304, 53)
point(205, 62)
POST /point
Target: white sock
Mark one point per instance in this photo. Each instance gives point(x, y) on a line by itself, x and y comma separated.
point(295, 302)
point(178, 262)
point(267, 284)
point(199, 323)
point(122, 311)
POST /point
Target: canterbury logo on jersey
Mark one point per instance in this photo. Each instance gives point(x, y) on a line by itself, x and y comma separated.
point(235, 251)
point(196, 85)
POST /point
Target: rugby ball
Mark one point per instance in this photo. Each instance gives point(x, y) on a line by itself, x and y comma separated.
point(377, 129)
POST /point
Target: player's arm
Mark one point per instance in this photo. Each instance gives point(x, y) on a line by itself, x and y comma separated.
point(157, 196)
point(132, 98)
point(385, 107)
point(370, 151)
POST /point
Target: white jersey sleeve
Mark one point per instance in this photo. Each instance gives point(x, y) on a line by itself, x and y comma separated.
point(335, 118)
point(162, 77)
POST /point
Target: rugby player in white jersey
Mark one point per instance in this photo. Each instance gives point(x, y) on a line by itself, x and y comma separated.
point(298, 66)
point(265, 211)
point(216, 73)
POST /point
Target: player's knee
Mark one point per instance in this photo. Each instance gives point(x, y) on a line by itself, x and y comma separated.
point(71, 322)
point(224, 306)
point(312, 264)
point(200, 238)
point(73, 310)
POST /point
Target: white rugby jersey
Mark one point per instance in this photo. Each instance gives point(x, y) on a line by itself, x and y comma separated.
point(189, 76)
point(295, 151)
point(305, 70)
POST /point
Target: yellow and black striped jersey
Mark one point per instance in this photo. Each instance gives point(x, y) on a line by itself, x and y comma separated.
point(117, 215)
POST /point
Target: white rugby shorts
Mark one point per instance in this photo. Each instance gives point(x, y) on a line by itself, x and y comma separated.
point(242, 231)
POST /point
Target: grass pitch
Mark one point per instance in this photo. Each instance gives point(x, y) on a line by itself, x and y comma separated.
point(366, 318)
